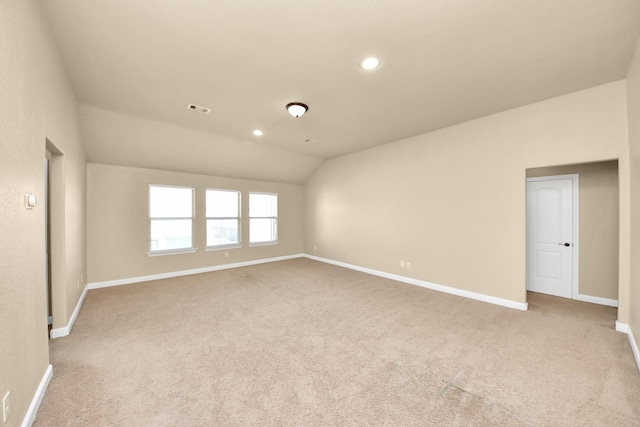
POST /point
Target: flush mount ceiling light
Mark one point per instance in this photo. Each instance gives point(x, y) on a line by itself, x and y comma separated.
point(296, 109)
point(257, 132)
point(370, 63)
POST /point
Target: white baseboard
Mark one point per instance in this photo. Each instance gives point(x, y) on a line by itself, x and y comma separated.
point(622, 327)
point(428, 285)
point(597, 300)
point(128, 281)
point(626, 329)
point(634, 347)
point(66, 330)
point(30, 416)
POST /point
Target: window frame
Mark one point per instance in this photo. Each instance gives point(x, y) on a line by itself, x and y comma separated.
point(269, 242)
point(162, 252)
point(238, 219)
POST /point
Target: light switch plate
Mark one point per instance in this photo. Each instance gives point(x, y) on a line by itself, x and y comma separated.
point(30, 201)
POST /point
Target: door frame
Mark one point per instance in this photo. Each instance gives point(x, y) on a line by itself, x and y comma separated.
point(575, 209)
point(47, 222)
point(57, 233)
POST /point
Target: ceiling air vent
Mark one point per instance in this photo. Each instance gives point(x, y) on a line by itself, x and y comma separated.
point(198, 108)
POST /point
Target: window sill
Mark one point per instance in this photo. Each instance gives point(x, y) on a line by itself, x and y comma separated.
point(274, 242)
point(222, 247)
point(171, 252)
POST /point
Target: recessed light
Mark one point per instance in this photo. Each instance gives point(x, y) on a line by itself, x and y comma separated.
point(257, 132)
point(370, 63)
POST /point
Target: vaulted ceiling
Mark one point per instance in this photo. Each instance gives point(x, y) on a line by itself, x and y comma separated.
point(442, 62)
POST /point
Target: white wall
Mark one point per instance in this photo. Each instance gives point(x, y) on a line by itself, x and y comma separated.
point(633, 97)
point(452, 202)
point(37, 103)
point(118, 230)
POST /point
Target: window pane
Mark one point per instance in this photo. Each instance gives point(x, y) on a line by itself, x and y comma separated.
point(263, 204)
point(222, 203)
point(263, 230)
point(170, 234)
point(222, 232)
point(170, 202)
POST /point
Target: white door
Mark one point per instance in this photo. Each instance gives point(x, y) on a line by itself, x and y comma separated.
point(550, 236)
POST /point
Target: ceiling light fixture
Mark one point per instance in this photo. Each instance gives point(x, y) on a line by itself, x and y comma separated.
point(370, 63)
point(296, 109)
point(257, 132)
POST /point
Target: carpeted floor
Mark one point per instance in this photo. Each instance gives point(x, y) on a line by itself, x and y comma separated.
point(305, 343)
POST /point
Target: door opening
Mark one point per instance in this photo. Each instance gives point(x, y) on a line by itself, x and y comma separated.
point(54, 235)
point(595, 269)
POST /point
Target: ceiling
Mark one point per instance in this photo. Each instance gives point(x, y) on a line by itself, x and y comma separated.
point(442, 62)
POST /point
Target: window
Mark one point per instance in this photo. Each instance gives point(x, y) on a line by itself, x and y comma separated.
point(223, 218)
point(263, 218)
point(170, 220)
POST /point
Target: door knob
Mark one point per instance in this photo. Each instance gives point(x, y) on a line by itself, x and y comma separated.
point(564, 244)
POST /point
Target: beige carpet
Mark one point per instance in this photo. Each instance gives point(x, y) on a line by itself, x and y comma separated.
point(302, 343)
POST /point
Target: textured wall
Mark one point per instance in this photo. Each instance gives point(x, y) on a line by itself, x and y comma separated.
point(118, 231)
point(37, 103)
point(633, 99)
point(452, 202)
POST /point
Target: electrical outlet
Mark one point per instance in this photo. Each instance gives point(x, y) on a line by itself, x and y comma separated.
point(6, 407)
point(402, 264)
point(408, 264)
point(315, 248)
point(226, 254)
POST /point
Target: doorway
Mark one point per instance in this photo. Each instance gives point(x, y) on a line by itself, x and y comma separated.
point(596, 260)
point(54, 235)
